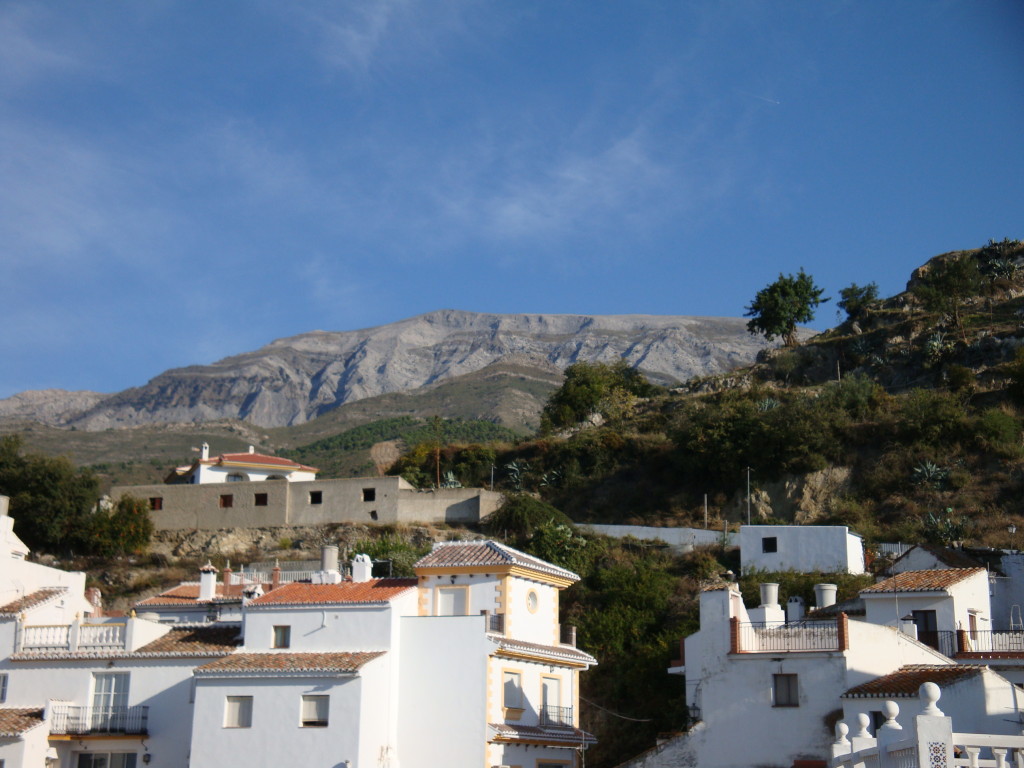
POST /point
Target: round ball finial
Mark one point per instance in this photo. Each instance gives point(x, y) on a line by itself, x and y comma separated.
point(930, 693)
point(890, 709)
point(863, 721)
point(841, 730)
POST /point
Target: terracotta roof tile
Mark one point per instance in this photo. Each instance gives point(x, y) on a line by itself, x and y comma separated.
point(187, 594)
point(923, 581)
point(347, 592)
point(954, 558)
point(536, 733)
point(32, 600)
point(196, 641)
point(260, 459)
point(272, 663)
point(14, 722)
point(455, 554)
point(906, 681)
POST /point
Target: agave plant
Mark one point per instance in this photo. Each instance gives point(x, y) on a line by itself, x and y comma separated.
point(930, 474)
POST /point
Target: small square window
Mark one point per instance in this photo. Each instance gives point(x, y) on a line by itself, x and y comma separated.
point(260, 500)
point(314, 711)
point(316, 497)
point(156, 503)
point(369, 494)
point(238, 712)
point(785, 692)
point(770, 544)
point(227, 501)
point(282, 636)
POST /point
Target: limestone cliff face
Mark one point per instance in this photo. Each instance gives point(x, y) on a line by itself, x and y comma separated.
point(293, 380)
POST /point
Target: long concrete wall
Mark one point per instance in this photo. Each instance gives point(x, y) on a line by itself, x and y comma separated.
point(682, 539)
point(273, 503)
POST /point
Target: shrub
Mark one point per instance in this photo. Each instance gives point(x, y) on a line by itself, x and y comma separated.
point(520, 515)
point(998, 431)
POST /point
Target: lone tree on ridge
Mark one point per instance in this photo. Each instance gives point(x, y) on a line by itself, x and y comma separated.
point(777, 308)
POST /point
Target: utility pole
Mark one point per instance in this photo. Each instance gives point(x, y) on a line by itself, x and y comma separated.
point(748, 495)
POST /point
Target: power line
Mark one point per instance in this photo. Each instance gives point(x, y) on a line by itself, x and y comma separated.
point(616, 714)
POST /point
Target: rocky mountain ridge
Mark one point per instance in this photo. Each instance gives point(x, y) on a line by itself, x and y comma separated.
point(294, 380)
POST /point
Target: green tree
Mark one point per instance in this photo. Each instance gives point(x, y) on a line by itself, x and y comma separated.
point(947, 285)
point(854, 299)
point(51, 499)
point(591, 388)
point(124, 529)
point(777, 308)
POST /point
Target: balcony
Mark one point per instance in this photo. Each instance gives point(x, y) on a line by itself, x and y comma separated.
point(555, 717)
point(1001, 642)
point(73, 637)
point(773, 638)
point(71, 720)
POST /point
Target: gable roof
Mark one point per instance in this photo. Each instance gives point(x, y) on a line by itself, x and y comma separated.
point(255, 460)
point(205, 640)
point(15, 721)
point(906, 681)
point(372, 592)
point(922, 581)
point(463, 554)
point(188, 594)
point(32, 600)
point(246, 664)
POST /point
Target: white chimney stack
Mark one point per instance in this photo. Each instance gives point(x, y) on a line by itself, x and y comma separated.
point(362, 568)
point(824, 595)
point(5, 505)
point(794, 609)
point(207, 581)
point(204, 452)
point(769, 594)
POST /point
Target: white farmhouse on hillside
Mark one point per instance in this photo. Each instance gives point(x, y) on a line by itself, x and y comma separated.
point(802, 548)
point(239, 467)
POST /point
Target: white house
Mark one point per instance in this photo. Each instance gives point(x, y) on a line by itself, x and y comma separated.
point(239, 467)
point(802, 548)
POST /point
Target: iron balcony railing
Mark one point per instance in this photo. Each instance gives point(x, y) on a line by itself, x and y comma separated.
point(67, 719)
point(555, 717)
point(811, 636)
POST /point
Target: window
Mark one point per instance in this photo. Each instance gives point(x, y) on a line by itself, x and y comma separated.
point(156, 503)
point(314, 711)
point(369, 494)
point(927, 628)
point(785, 692)
point(282, 636)
point(106, 760)
point(316, 497)
point(109, 700)
point(512, 687)
point(3, 688)
point(373, 514)
point(260, 500)
point(227, 501)
point(235, 478)
point(770, 544)
point(531, 601)
point(238, 712)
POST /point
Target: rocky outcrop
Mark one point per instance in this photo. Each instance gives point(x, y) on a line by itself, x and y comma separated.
point(798, 499)
point(294, 380)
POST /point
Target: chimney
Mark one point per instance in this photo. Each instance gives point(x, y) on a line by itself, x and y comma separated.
point(208, 581)
point(275, 576)
point(95, 599)
point(5, 505)
point(362, 568)
point(794, 609)
point(329, 573)
point(824, 595)
point(227, 579)
point(204, 452)
point(252, 449)
point(769, 594)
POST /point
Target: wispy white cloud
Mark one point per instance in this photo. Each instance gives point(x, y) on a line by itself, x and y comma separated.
point(26, 53)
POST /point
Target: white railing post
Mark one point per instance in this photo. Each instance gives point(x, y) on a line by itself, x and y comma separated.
point(73, 632)
point(841, 746)
point(889, 733)
point(933, 731)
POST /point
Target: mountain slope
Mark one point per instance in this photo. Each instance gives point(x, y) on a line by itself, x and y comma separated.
point(294, 380)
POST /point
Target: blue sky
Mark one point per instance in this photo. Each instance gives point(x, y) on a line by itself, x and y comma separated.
point(183, 181)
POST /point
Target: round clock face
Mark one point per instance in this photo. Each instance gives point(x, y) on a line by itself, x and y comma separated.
point(531, 601)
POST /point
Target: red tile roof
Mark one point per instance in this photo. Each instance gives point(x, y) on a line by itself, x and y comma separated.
point(347, 592)
point(460, 554)
point(954, 558)
point(14, 722)
point(196, 641)
point(32, 600)
point(256, 459)
point(906, 681)
point(923, 581)
point(532, 734)
point(293, 663)
point(187, 594)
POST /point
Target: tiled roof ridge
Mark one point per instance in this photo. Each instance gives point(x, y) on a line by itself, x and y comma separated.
point(927, 580)
point(343, 593)
point(907, 680)
point(288, 662)
point(562, 651)
point(510, 555)
point(33, 599)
